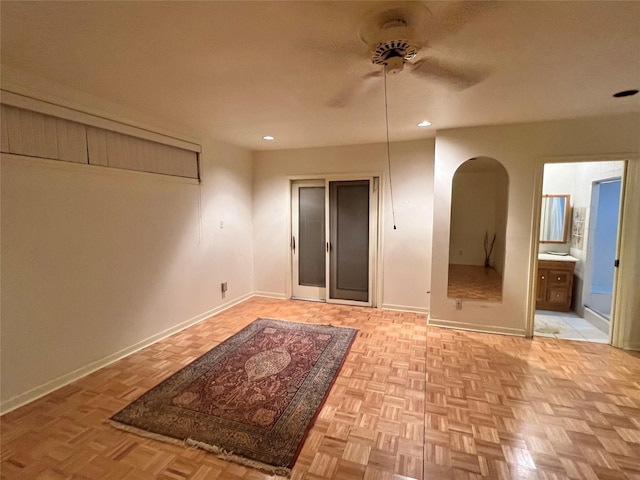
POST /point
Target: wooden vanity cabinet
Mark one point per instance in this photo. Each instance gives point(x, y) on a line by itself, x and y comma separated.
point(555, 282)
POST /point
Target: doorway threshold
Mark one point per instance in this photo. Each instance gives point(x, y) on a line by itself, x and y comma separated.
point(317, 300)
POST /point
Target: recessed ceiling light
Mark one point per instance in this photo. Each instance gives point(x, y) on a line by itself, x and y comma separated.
point(424, 123)
point(268, 137)
point(625, 93)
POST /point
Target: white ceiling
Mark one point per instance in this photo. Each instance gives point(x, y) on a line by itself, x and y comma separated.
point(236, 70)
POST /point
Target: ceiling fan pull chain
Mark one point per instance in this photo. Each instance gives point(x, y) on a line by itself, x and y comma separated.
point(386, 117)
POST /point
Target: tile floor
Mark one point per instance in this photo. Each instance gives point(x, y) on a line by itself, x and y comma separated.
point(567, 326)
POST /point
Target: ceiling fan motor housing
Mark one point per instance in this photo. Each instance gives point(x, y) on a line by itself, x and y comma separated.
point(393, 54)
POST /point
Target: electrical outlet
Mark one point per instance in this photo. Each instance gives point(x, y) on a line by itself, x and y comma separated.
point(223, 287)
point(458, 304)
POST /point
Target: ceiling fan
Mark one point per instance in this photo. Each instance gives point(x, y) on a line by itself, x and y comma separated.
point(397, 38)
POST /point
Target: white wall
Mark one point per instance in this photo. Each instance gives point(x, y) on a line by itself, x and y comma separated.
point(406, 250)
point(96, 261)
point(473, 214)
point(521, 149)
point(502, 209)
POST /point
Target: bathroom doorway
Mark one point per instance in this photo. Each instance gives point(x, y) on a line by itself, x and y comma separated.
point(587, 253)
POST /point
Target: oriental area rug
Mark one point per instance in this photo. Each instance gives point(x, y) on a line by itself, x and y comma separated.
point(252, 399)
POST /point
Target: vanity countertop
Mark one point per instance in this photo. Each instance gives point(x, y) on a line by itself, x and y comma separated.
point(556, 258)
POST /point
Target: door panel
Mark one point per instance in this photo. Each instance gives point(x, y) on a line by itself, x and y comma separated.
point(602, 245)
point(542, 284)
point(349, 240)
point(311, 266)
point(308, 240)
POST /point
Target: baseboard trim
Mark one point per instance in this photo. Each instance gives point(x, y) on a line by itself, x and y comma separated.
point(597, 320)
point(404, 308)
point(280, 296)
point(631, 346)
point(471, 327)
point(59, 382)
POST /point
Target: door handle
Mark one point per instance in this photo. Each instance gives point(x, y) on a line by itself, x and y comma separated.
point(293, 244)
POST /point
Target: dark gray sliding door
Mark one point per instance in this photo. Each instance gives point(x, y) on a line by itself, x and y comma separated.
point(349, 240)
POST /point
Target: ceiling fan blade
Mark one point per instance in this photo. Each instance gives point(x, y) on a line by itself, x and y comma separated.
point(353, 89)
point(454, 76)
point(349, 50)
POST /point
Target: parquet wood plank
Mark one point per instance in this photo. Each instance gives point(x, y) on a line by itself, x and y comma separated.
point(411, 403)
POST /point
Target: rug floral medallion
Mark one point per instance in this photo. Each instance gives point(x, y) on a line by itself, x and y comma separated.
point(251, 399)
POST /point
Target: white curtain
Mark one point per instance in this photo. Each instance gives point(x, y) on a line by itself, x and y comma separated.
point(552, 222)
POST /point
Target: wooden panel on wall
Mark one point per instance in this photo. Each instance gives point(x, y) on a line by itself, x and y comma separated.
point(34, 134)
point(4, 145)
point(97, 146)
point(100, 121)
point(37, 135)
point(117, 150)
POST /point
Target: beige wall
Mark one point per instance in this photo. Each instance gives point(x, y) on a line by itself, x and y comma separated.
point(502, 209)
point(473, 214)
point(406, 261)
point(521, 149)
point(96, 262)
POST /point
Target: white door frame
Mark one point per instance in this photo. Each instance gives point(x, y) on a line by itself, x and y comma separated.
point(298, 291)
point(375, 228)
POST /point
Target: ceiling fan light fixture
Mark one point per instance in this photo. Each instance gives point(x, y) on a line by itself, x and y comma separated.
point(424, 123)
point(394, 65)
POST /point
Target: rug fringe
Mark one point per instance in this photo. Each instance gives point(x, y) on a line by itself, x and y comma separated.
point(310, 323)
point(217, 451)
point(145, 433)
point(230, 456)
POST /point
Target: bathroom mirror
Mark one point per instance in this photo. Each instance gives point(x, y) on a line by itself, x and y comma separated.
point(554, 218)
point(479, 194)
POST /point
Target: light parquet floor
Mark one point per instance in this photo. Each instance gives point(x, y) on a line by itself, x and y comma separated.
point(411, 402)
point(474, 282)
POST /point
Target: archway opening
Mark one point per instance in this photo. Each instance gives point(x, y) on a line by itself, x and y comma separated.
point(479, 199)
